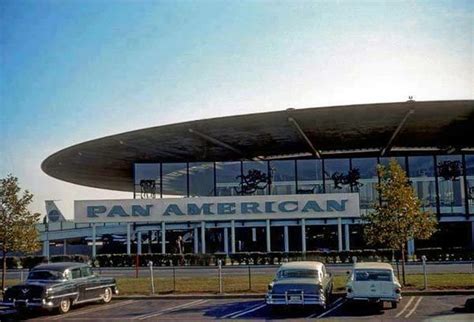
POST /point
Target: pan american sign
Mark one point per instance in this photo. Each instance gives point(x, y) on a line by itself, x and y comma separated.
point(331, 205)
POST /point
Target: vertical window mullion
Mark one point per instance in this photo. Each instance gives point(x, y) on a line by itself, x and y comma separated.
point(435, 168)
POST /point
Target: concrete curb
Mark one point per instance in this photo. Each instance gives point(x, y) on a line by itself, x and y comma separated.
point(262, 295)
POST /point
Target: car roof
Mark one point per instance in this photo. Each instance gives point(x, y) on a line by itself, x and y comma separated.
point(372, 265)
point(302, 264)
point(58, 266)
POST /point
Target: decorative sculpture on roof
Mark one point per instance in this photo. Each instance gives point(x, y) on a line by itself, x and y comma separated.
point(251, 182)
point(147, 189)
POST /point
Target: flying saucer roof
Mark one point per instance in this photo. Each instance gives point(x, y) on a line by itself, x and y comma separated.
point(322, 132)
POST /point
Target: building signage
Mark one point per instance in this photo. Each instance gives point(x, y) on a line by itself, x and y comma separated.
point(331, 205)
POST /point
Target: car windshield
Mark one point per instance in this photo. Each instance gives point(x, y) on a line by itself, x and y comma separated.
point(45, 275)
point(373, 275)
point(298, 273)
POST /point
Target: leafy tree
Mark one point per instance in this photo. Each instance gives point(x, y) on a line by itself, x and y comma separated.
point(398, 218)
point(17, 223)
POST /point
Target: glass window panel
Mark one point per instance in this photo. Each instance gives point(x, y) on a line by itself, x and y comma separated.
point(400, 160)
point(174, 179)
point(450, 184)
point(261, 168)
point(147, 179)
point(201, 179)
point(310, 176)
point(227, 178)
point(423, 180)
point(283, 173)
point(332, 169)
point(367, 183)
point(470, 181)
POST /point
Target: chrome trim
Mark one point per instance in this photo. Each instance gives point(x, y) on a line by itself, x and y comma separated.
point(100, 286)
point(62, 295)
point(89, 300)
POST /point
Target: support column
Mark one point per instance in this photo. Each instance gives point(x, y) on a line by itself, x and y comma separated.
point(226, 240)
point(303, 235)
point(129, 251)
point(65, 247)
point(285, 237)
point(150, 235)
point(339, 233)
point(472, 234)
point(139, 242)
point(232, 236)
point(347, 237)
point(411, 247)
point(46, 248)
point(94, 236)
point(203, 237)
point(195, 241)
point(268, 234)
point(163, 237)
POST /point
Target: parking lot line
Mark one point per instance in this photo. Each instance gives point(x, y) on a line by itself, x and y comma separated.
point(239, 311)
point(169, 310)
point(91, 310)
point(248, 311)
point(405, 307)
point(414, 307)
point(335, 306)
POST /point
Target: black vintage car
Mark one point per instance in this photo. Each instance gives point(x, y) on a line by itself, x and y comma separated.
point(59, 286)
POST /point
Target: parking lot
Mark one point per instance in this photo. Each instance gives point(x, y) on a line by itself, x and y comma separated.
point(444, 308)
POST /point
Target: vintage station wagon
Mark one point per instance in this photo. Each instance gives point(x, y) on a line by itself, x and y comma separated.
point(373, 282)
point(59, 286)
point(300, 283)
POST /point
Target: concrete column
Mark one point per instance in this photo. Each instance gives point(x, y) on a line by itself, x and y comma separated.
point(129, 251)
point(94, 235)
point(226, 240)
point(303, 235)
point(411, 247)
point(65, 247)
point(472, 234)
point(163, 237)
point(150, 234)
point(285, 238)
point(347, 237)
point(203, 237)
point(339, 233)
point(195, 241)
point(139, 242)
point(268, 234)
point(232, 236)
point(46, 248)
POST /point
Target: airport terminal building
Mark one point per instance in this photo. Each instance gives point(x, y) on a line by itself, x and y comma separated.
point(291, 180)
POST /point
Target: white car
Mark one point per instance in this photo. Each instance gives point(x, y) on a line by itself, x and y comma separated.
point(300, 283)
point(374, 282)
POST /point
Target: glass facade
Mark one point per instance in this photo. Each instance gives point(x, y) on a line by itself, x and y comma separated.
point(422, 177)
point(444, 183)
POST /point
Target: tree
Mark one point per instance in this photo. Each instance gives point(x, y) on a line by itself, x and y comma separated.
point(17, 223)
point(398, 218)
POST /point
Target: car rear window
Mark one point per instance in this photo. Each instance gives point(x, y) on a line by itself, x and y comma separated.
point(45, 275)
point(373, 275)
point(298, 273)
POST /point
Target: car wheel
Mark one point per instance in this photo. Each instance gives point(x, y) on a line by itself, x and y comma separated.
point(394, 305)
point(107, 297)
point(64, 305)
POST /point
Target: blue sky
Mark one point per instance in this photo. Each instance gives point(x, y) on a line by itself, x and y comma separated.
point(73, 70)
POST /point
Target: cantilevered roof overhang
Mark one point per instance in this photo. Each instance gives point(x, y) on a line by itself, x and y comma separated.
point(371, 129)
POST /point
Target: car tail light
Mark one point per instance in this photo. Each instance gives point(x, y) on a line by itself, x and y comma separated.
point(270, 287)
point(398, 290)
point(349, 290)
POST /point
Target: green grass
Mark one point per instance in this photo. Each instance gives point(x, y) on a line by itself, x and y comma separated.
point(240, 284)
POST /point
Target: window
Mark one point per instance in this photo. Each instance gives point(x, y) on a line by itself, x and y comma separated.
point(86, 271)
point(334, 171)
point(310, 176)
point(422, 177)
point(298, 273)
point(256, 177)
point(45, 275)
point(227, 178)
point(201, 179)
point(76, 273)
point(175, 181)
point(470, 181)
point(450, 184)
point(373, 275)
point(147, 180)
point(283, 172)
point(368, 195)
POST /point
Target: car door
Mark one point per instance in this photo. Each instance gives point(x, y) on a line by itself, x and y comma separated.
point(80, 283)
point(93, 288)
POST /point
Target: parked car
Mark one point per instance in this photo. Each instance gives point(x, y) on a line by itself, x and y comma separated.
point(374, 282)
point(59, 286)
point(300, 283)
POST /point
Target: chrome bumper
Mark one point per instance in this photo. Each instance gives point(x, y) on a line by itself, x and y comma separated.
point(374, 298)
point(28, 304)
point(293, 298)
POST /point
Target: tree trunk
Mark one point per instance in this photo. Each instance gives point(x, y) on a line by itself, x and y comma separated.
point(4, 268)
point(403, 265)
